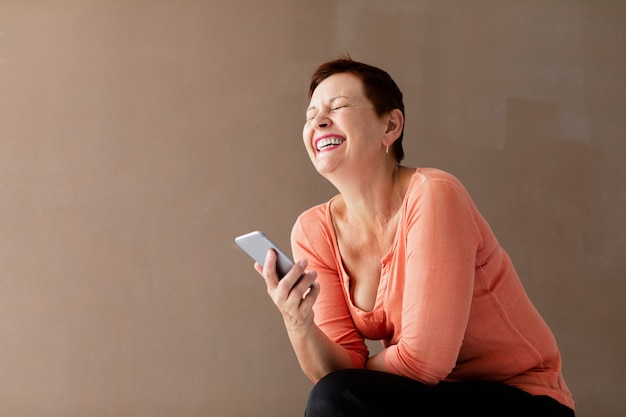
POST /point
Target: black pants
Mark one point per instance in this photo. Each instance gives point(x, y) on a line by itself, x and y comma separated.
point(364, 393)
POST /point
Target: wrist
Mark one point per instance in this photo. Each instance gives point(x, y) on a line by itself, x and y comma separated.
point(376, 362)
point(298, 327)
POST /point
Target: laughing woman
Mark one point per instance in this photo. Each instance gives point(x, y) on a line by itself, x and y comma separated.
point(402, 255)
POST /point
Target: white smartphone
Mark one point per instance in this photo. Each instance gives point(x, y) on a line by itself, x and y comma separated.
point(256, 244)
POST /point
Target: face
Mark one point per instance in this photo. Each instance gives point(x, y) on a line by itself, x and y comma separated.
point(342, 130)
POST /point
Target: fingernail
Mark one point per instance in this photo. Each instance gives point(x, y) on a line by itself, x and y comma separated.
point(303, 263)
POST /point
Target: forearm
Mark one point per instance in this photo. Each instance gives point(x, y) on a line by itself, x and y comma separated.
point(377, 362)
point(316, 353)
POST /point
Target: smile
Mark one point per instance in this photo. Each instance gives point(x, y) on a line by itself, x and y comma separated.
point(328, 142)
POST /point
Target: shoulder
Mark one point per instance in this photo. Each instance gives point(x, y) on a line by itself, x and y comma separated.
point(313, 225)
point(314, 216)
point(440, 204)
point(434, 181)
point(438, 190)
point(312, 235)
point(435, 175)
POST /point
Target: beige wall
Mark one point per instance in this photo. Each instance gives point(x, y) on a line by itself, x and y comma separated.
point(137, 138)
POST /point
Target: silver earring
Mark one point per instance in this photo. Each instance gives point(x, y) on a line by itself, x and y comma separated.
point(387, 150)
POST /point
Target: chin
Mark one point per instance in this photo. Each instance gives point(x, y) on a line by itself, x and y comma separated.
point(326, 170)
point(323, 168)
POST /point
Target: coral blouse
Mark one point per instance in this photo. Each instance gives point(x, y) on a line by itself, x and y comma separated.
point(450, 305)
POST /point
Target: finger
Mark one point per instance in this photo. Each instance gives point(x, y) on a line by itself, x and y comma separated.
point(269, 268)
point(300, 291)
point(305, 283)
point(292, 287)
point(291, 279)
point(310, 297)
point(300, 307)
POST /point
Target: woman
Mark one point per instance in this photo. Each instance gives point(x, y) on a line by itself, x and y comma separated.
point(402, 255)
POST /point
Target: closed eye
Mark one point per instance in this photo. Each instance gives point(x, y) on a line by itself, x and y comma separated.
point(313, 112)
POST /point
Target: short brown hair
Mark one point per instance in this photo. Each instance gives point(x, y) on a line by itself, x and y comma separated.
point(379, 88)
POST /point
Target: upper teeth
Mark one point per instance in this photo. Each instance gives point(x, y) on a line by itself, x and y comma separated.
point(323, 143)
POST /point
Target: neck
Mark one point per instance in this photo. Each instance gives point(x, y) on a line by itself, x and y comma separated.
point(372, 199)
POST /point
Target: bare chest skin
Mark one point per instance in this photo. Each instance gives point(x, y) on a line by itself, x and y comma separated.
point(362, 247)
point(361, 254)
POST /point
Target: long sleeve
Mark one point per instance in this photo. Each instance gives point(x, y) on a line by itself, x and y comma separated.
point(311, 239)
point(441, 241)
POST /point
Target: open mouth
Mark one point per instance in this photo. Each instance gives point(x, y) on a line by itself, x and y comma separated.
point(325, 144)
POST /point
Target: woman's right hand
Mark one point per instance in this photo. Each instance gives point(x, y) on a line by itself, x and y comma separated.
point(294, 294)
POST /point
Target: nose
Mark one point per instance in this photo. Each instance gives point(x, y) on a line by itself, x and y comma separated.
point(321, 119)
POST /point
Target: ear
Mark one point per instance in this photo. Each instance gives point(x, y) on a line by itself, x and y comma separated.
point(395, 124)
